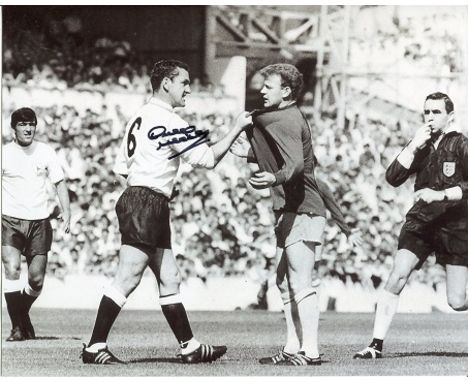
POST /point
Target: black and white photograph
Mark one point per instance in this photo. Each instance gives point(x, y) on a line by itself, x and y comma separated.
point(246, 190)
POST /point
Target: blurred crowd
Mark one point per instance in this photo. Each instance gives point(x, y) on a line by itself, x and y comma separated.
point(418, 44)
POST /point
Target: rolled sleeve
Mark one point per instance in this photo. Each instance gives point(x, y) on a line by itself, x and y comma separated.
point(200, 156)
point(454, 193)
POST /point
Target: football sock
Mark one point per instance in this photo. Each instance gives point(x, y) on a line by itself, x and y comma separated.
point(293, 326)
point(189, 346)
point(308, 308)
point(376, 344)
point(12, 293)
point(109, 308)
point(387, 306)
point(465, 305)
point(176, 317)
point(94, 348)
point(28, 297)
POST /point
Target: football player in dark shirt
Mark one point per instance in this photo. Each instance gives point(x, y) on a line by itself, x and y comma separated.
point(282, 146)
point(438, 220)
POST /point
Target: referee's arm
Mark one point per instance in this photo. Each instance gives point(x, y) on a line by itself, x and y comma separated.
point(403, 166)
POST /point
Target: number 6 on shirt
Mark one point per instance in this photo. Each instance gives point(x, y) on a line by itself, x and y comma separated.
point(131, 140)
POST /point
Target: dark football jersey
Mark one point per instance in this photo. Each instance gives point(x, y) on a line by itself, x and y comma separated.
point(281, 142)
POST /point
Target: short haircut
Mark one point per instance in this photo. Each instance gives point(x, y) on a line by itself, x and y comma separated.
point(24, 114)
point(448, 102)
point(163, 69)
point(290, 76)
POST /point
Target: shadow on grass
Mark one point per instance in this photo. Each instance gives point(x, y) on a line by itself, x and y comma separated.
point(154, 360)
point(427, 354)
point(48, 338)
point(171, 360)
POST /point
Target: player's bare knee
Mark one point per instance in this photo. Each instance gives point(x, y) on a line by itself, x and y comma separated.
point(127, 282)
point(131, 284)
point(129, 276)
point(12, 269)
point(36, 282)
point(397, 280)
point(170, 283)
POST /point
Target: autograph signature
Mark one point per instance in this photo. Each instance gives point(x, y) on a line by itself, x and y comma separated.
point(179, 135)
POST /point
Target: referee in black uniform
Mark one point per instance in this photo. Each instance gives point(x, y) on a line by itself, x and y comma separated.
point(438, 221)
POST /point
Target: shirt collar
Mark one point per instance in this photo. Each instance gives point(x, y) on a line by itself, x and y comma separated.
point(160, 103)
point(452, 127)
point(25, 148)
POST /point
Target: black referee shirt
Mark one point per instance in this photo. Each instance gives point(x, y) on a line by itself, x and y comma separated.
point(437, 169)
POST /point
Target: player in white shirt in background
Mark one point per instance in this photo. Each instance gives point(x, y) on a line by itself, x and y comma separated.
point(155, 140)
point(26, 230)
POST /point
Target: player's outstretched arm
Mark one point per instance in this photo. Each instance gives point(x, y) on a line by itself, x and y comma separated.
point(240, 147)
point(62, 193)
point(206, 156)
point(220, 148)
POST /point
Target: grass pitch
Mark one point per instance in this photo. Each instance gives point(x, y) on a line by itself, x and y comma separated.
point(418, 344)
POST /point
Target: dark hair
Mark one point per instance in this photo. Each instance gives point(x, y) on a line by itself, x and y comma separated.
point(24, 114)
point(163, 69)
point(290, 76)
point(445, 97)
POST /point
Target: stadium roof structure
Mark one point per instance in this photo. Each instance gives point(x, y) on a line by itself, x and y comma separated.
point(256, 31)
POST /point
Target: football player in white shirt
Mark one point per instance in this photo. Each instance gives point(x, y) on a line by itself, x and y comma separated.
point(155, 141)
point(26, 229)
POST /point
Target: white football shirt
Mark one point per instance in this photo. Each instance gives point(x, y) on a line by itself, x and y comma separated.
point(155, 140)
point(24, 179)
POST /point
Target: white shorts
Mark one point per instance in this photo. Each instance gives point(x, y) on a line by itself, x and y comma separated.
point(291, 228)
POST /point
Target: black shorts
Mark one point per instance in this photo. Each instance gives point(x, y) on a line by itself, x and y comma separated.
point(144, 218)
point(31, 237)
point(448, 247)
